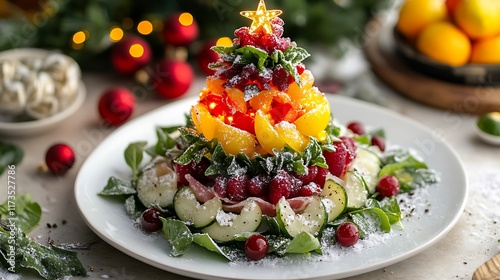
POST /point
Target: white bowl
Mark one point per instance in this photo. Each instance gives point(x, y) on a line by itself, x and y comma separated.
point(29, 128)
point(488, 138)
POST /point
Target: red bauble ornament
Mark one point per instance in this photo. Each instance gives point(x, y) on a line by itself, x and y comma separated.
point(130, 54)
point(172, 78)
point(59, 158)
point(116, 105)
point(180, 29)
point(207, 56)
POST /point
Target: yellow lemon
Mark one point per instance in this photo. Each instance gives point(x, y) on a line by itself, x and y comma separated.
point(444, 42)
point(486, 51)
point(478, 18)
point(415, 15)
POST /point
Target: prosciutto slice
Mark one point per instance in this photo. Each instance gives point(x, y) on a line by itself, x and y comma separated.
point(298, 205)
point(202, 192)
point(266, 207)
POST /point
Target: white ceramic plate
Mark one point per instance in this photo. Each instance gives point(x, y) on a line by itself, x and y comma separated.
point(108, 219)
point(34, 127)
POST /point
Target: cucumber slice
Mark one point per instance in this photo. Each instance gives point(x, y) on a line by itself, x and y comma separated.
point(157, 184)
point(356, 190)
point(312, 220)
point(189, 210)
point(334, 199)
point(368, 165)
point(227, 225)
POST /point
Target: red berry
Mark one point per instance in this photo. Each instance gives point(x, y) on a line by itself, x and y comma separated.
point(237, 188)
point(150, 220)
point(116, 105)
point(356, 127)
point(256, 247)
point(197, 170)
point(388, 186)
point(379, 142)
point(258, 185)
point(283, 44)
point(347, 234)
point(278, 26)
point(321, 176)
point(336, 160)
point(59, 158)
point(269, 42)
point(309, 176)
point(350, 144)
point(280, 186)
point(310, 189)
point(220, 186)
point(280, 78)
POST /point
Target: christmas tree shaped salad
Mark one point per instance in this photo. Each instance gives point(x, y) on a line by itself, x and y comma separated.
point(260, 168)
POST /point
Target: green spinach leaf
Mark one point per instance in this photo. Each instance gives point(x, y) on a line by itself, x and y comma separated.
point(10, 154)
point(178, 234)
point(117, 187)
point(133, 157)
point(50, 262)
point(23, 210)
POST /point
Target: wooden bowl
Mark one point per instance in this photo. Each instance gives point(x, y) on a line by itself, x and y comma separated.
point(469, 74)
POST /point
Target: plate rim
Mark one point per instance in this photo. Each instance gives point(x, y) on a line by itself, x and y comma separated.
point(332, 98)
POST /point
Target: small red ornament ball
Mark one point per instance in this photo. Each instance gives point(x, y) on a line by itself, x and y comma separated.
point(59, 158)
point(207, 56)
point(130, 54)
point(172, 78)
point(116, 105)
point(180, 29)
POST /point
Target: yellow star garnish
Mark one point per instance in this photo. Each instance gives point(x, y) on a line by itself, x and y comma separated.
point(261, 17)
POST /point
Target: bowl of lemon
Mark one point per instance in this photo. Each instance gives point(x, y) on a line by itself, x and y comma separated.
point(453, 40)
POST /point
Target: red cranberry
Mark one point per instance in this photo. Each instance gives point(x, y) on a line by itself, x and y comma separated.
point(356, 127)
point(379, 142)
point(388, 186)
point(347, 234)
point(150, 220)
point(256, 247)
